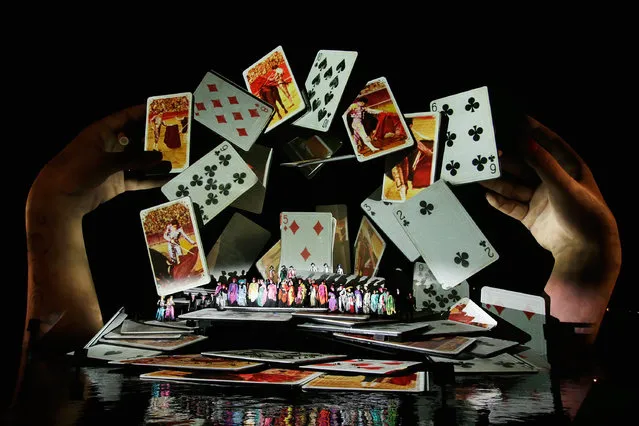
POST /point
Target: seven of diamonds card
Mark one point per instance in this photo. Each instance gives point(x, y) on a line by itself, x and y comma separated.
point(168, 122)
point(446, 236)
point(470, 150)
point(174, 245)
point(213, 182)
point(231, 112)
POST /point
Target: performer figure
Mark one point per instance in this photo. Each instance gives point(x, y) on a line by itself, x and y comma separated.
point(356, 112)
point(159, 314)
point(339, 269)
point(172, 235)
point(170, 309)
point(322, 294)
point(283, 273)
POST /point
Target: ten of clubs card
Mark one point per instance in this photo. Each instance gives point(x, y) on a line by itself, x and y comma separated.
point(168, 122)
point(175, 248)
point(445, 235)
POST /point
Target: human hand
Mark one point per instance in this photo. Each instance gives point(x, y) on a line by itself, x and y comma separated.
point(554, 194)
point(90, 170)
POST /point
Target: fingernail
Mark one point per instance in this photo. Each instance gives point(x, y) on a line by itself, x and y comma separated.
point(532, 146)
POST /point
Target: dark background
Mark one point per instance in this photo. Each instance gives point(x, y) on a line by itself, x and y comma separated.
point(571, 82)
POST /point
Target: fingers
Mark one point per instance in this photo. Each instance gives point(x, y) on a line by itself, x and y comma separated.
point(512, 208)
point(517, 167)
point(509, 189)
point(140, 185)
point(129, 160)
point(547, 167)
point(118, 120)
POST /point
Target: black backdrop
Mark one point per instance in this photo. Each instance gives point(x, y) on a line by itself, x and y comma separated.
point(571, 84)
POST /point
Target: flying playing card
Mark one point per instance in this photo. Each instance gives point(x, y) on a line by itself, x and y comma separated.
point(369, 247)
point(444, 345)
point(467, 312)
point(324, 86)
point(271, 79)
point(487, 346)
point(341, 246)
point(273, 376)
point(274, 356)
point(237, 247)
point(269, 264)
point(258, 158)
point(312, 148)
point(525, 311)
point(374, 122)
point(307, 240)
point(408, 173)
point(502, 363)
point(430, 296)
point(445, 235)
point(168, 128)
point(231, 112)
point(381, 212)
point(470, 151)
point(110, 352)
point(159, 344)
point(190, 362)
point(413, 382)
point(137, 328)
point(213, 182)
point(394, 329)
point(363, 366)
point(175, 248)
point(448, 327)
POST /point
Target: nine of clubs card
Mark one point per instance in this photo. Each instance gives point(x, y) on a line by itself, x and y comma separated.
point(271, 80)
point(168, 128)
point(174, 245)
point(375, 124)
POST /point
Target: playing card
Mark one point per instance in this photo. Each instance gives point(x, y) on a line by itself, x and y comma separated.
point(274, 356)
point(525, 311)
point(231, 112)
point(178, 325)
point(487, 346)
point(269, 264)
point(470, 151)
point(341, 246)
point(114, 322)
point(351, 317)
point(467, 312)
point(500, 364)
point(110, 352)
point(273, 376)
point(307, 240)
point(363, 366)
point(369, 247)
point(258, 158)
point(168, 128)
point(443, 345)
point(229, 314)
point(413, 382)
point(132, 328)
point(407, 173)
point(271, 79)
point(381, 212)
point(213, 182)
point(324, 87)
point(374, 122)
point(159, 344)
point(430, 296)
point(311, 148)
point(445, 235)
point(117, 335)
point(190, 362)
point(393, 329)
point(236, 249)
point(448, 327)
point(175, 248)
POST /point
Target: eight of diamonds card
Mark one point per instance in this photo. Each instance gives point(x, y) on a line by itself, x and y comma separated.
point(271, 79)
point(213, 182)
point(470, 151)
point(374, 122)
point(175, 248)
point(231, 112)
point(168, 123)
point(444, 233)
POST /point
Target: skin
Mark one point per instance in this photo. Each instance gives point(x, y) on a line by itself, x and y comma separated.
point(553, 193)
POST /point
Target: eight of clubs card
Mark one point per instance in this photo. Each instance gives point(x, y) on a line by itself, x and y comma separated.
point(230, 111)
point(168, 128)
point(307, 238)
point(213, 182)
point(444, 233)
point(271, 80)
point(470, 150)
point(174, 245)
point(374, 122)
point(408, 173)
point(369, 247)
point(324, 87)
